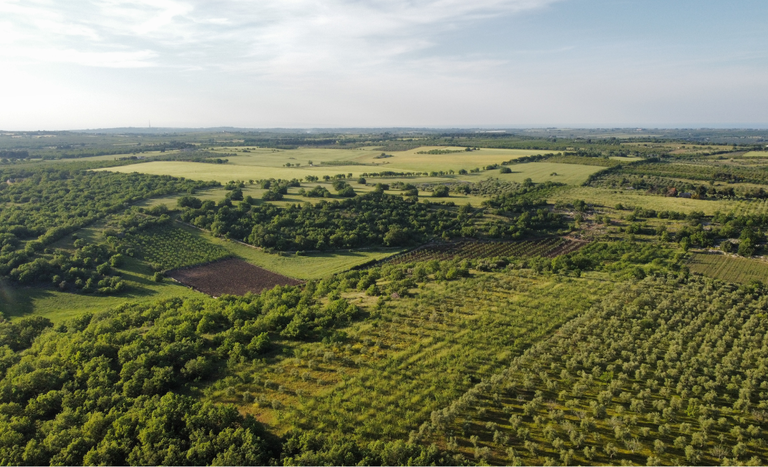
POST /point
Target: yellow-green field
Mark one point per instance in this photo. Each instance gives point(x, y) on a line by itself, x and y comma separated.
point(309, 266)
point(756, 154)
point(270, 163)
point(729, 268)
point(610, 197)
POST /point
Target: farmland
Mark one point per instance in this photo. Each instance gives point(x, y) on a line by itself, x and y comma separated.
point(615, 395)
point(230, 276)
point(729, 268)
point(480, 250)
point(265, 165)
point(565, 307)
point(175, 247)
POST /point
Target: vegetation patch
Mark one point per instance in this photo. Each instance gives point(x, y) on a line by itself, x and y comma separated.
point(729, 268)
point(172, 247)
point(471, 249)
point(231, 277)
point(668, 371)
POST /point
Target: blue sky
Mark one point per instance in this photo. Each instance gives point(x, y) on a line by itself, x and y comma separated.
point(353, 63)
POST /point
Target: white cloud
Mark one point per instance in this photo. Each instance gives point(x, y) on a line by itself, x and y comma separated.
point(280, 37)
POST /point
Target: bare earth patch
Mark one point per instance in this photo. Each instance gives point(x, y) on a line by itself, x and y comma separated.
point(230, 276)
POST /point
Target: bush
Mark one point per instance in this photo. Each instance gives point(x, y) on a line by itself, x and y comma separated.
point(440, 192)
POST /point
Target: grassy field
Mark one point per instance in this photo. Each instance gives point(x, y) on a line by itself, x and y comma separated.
point(756, 154)
point(270, 163)
point(729, 268)
point(610, 197)
point(58, 306)
point(309, 266)
point(539, 172)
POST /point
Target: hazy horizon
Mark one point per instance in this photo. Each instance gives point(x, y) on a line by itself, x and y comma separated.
point(398, 64)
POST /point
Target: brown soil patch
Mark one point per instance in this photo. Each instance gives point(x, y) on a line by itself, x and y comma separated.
point(230, 276)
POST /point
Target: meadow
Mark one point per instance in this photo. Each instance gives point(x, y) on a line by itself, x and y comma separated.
point(634, 198)
point(57, 306)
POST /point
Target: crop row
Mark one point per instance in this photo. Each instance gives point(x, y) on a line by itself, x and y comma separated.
point(174, 247)
point(548, 247)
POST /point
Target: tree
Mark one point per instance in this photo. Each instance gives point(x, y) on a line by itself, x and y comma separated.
point(440, 191)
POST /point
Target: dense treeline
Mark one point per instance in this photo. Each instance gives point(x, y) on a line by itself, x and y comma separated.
point(107, 388)
point(668, 371)
point(372, 219)
point(42, 206)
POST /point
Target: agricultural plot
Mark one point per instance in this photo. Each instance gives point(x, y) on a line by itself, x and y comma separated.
point(173, 247)
point(549, 247)
point(271, 165)
point(230, 276)
point(663, 372)
point(632, 198)
point(729, 268)
point(382, 379)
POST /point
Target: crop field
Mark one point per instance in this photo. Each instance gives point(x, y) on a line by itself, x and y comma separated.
point(632, 198)
point(549, 248)
point(729, 268)
point(172, 247)
point(412, 161)
point(265, 163)
point(540, 172)
point(388, 374)
point(643, 378)
point(229, 276)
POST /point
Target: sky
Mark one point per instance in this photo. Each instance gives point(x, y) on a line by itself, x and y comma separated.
point(80, 64)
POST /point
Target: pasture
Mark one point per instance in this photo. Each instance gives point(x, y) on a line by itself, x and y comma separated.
point(270, 163)
point(632, 198)
point(729, 268)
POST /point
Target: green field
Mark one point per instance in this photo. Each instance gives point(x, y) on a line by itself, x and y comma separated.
point(172, 247)
point(756, 154)
point(729, 268)
point(270, 163)
point(309, 266)
point(429, 356)
point(630, 198)
point(18, 302)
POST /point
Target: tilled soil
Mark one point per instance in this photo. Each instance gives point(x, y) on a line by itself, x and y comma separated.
point(230, 276)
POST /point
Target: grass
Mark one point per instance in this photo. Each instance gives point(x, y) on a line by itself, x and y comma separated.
point(630, 198)
point(41, 300)
point(309, 266)
point(539, 172)
point(269, 163)
point(756, 154)
point(413, 356)
point(729, 268)
point(18, 302)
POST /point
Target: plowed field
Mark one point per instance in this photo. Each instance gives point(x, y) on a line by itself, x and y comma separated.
point(231, 276)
